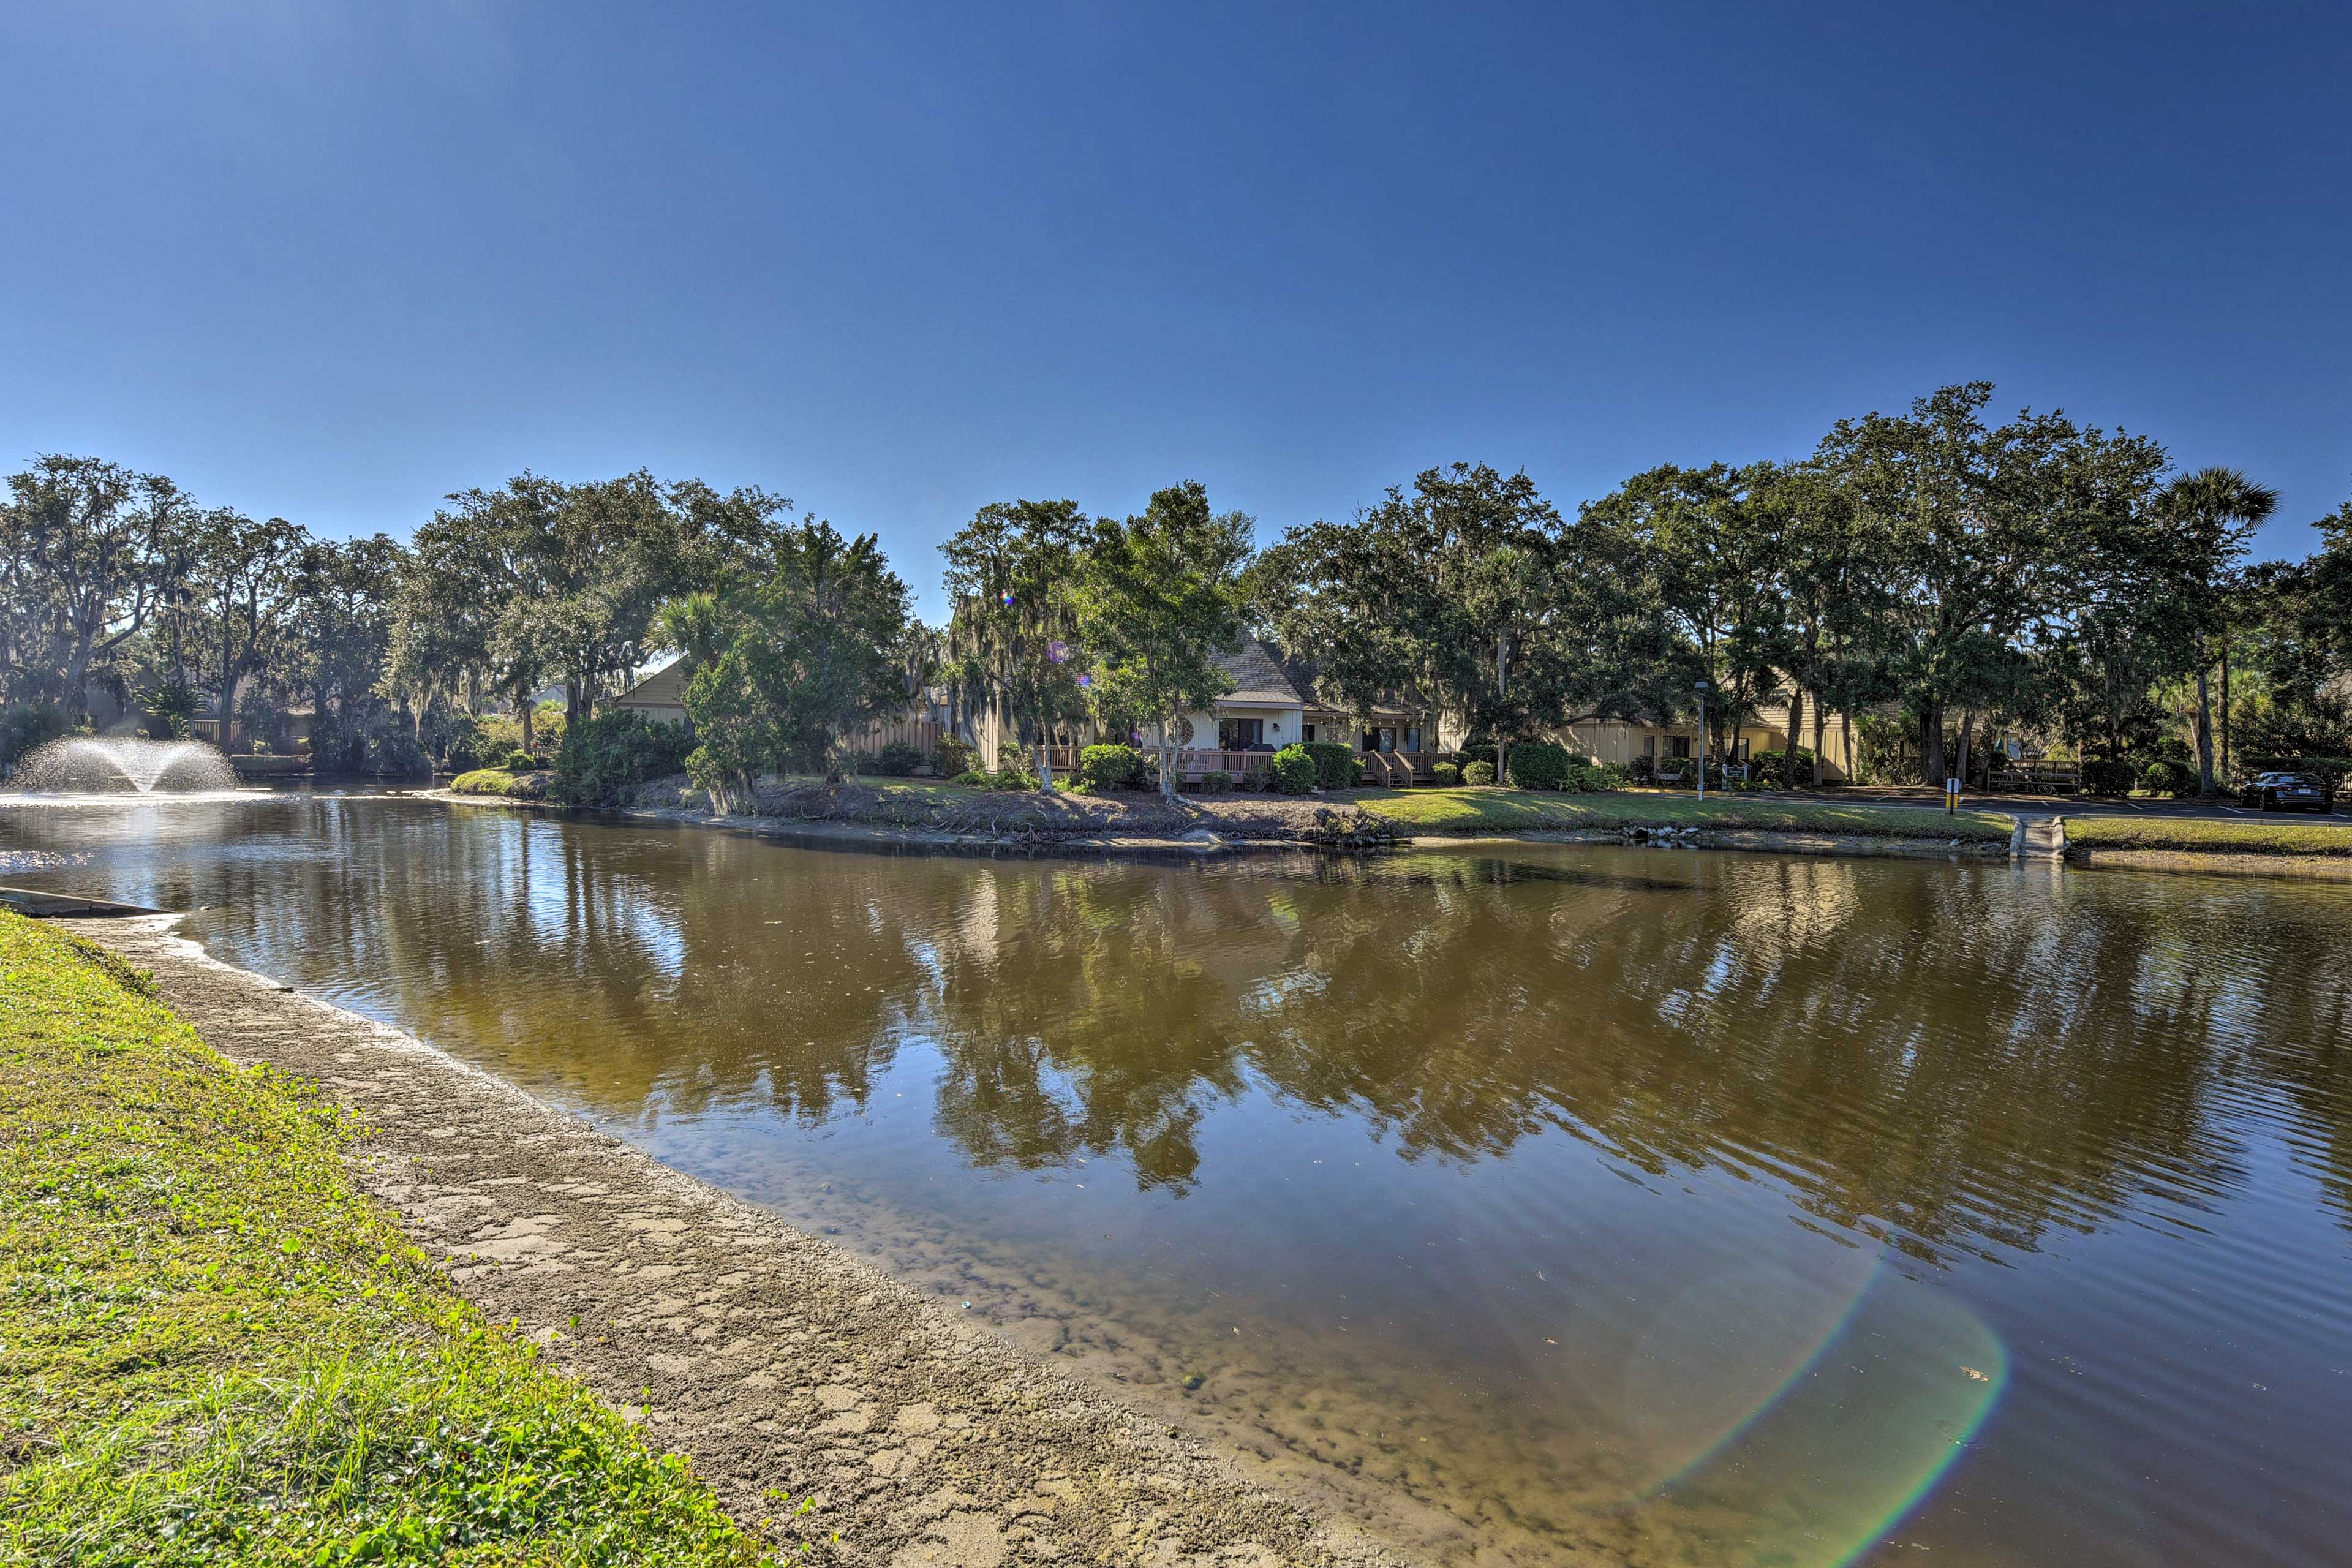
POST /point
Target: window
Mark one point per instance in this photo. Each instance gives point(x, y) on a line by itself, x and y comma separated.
point(1240, 734)
point(1307, 733)
point(1388, 740)
point(1678, 745)
point(1650, 746)
point(1412, 740)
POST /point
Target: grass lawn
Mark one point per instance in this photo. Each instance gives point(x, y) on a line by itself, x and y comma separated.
point(1472, 810)
point(2190, 833)
point(215, 1349)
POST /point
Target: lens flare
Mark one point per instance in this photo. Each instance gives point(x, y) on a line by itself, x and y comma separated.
point(1837, 1454)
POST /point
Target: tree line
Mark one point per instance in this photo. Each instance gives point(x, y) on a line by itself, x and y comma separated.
point(1932, 579)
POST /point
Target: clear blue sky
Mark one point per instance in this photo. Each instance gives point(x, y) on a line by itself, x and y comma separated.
point(897, 261)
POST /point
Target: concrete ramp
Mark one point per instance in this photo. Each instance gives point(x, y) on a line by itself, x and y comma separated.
point(60, 906)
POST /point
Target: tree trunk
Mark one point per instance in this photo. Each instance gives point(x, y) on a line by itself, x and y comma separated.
point(1931, 745)
point(1967, 735)
point(529, 714)
point(1796, 728)
point(2204, 731)
point(1821, 722)
point(2225, 711)
point(1045, 759)
point(1167, 762)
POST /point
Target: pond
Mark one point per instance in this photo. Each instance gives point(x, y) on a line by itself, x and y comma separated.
point(1530, 1204)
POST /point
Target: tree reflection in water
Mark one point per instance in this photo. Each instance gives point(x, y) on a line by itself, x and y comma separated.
point(1446, 1106)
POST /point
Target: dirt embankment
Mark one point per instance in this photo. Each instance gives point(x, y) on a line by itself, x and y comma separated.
point(784, 1367)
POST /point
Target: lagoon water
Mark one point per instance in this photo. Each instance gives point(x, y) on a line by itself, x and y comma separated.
point(1533, 1206)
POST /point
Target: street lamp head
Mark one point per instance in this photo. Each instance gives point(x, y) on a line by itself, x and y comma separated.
point(1700, 686)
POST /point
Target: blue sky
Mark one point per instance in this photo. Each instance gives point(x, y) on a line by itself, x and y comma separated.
point(897, 261)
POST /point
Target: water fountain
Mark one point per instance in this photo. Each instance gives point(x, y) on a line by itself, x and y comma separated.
point(96, 764)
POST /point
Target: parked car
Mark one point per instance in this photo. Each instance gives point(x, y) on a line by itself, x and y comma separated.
point(2287, 791)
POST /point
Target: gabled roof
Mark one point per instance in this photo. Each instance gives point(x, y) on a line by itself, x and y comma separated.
point(1256, 678)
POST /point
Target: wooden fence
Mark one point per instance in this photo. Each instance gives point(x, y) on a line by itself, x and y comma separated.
point(923, 734)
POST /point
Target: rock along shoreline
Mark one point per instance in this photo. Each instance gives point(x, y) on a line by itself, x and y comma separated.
point(783, 1366)
point(824, 832)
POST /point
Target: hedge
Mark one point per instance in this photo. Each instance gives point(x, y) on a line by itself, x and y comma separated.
point(1108, 767)
point(1335, 764)
point(2108, 776)
point(1293, 770)
point(1478, 773)
point(1541, 765)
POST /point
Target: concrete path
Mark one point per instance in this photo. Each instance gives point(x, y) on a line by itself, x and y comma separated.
point(784, 1367)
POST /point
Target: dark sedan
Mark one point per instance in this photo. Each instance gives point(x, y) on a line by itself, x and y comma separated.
point(2287, 791)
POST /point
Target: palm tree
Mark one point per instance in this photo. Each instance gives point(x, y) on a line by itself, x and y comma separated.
point(2210, 515)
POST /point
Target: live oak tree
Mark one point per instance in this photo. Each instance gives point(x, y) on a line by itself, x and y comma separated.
point(83, 546)
point(1470, 594)
point(540, 581)
point(1155, 598)
point(1010, 572)
point(1976, 535)
point(243, 589)
point(812, 649)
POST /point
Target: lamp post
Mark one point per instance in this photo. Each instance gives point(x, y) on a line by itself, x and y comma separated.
point(1701, 690)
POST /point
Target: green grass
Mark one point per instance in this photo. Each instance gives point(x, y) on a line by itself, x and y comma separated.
point(2203, 834)
point(1471, 810)
point(498, 780)
point(214, 1349)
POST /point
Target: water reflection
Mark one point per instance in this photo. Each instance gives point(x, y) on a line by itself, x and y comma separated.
point(1671, 1206)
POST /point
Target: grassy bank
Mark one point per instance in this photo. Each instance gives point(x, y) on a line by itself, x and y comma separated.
point(2204, 835)
point(1490, 810)
point(215, 1349)
point(499, 781)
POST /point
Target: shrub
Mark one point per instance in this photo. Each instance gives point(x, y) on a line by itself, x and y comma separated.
point(1336, 767)
point(1587, 776)
point(1479, 773)
point(1256, 778)
point(1445, 775)
point(519, 762)
point(2173, 749)
point(26, 725)
point(1293, 770)
point(1003, 778)
point(2108, 776)
point(1642, 770)
point(1111, 767)
point(1541, 765)
point(1784, 770)
point(898, 760)
point(2172, 778)
point(605, 759)
point(1214, 783)
point(957, 757)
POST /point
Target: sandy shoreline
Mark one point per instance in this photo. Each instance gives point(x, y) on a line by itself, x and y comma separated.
point(784, 1366)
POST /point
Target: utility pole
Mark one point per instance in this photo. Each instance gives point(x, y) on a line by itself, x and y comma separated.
point(1701, 688)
